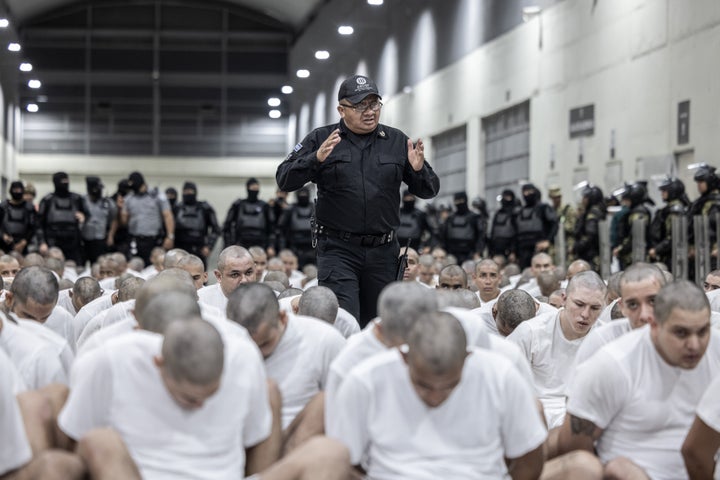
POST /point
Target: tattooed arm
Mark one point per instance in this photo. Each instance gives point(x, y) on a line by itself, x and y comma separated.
point(577, 434)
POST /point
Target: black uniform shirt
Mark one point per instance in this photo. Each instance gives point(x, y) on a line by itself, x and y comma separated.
point(359, 182)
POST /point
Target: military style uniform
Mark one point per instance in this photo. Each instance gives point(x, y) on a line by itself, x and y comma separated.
point(357, 208)
point(18, 222)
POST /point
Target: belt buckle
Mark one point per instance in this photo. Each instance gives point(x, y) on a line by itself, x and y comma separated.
point(368, 241)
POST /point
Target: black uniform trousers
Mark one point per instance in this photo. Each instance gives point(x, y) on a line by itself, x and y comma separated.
point(357, 274)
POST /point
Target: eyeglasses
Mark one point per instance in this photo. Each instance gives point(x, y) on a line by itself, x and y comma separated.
point(363, 107)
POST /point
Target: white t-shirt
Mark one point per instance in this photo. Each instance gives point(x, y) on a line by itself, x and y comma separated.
point(65, 324)
point(36, 360)
point(301, 361)
point(61, 347)
point(65, 301)
point(600, 336)
point(552, 360)
point(644, 405)
point(606, 314)
point(346, 324)
point(116, 313)
point(489, 415)
point(15, 451)
point(89, 311)
point(119, 386)
point(296, 278)
point(213, 295)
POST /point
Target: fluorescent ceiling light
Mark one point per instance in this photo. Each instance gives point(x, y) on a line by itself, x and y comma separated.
point(286, 89)
point(303, 73)
point(4, 22)
point(275, 114)
point(274, 102)
point(322, 54)
point(34, 84)
point(345, 30)
point(32, 108)
point(26, 67)
point(375, 2)
point(14, 47)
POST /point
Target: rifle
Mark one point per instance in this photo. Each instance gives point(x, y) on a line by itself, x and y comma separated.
point(402, 263)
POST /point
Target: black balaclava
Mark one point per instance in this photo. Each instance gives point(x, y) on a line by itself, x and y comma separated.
point(532, 198)
point(62, 184)
point(171, 195)
point(17, 190)
point(252, 194)
point(123, 187)
point(408, 202)
point(94, 187)
point(508, 199)
point(461, 203)
point(136, 181)
point(303, 197)
point(189, 198)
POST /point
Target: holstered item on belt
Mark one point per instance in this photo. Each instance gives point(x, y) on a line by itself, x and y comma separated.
point(355, 238)
point(402, 263)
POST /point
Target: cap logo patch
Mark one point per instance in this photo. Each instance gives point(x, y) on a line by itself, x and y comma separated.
point(361, 80)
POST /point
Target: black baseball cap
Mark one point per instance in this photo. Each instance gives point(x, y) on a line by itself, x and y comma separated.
point(356, 88)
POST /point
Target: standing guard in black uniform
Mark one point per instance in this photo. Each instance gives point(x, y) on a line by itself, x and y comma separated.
point(676, 205)
point(196, 226)
point(18, 221)
point(587, 226)
point(358, 166)
point(98, 231)
point(503, 237)
point(295, 228)
point(537, 225)
point(250, 221)
point(464, 232)
point(60, 217)
point(636, 197)
point(414, 225)
point(708, 204)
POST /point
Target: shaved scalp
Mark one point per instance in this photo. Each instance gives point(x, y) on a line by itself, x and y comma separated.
point(682, 295)
point(192, 261)
point(277, 276)
point(319, 302)
point(438, 341)
point(613, 285)
point(129, 288)
point(514, 307)
point(193, 352)
point(290, 292)
point(400, 304)
point(233, 251)
point(163, 310)
point(56, 265)
point(454, 271)
point(33, 260)
point(253, 304)
point(162, 285)
point(589, 280)
point(426, 260)
point(173, 257)
point(86, 289)
point(486, 262)
point(36, 283)
point(638, 272)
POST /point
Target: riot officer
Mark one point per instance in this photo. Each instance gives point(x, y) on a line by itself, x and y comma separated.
point(707, 204)
point(171, 196)
point(60, 217)
point(18, 220)
point(587, 240)
point(196, 226)
point(537, 225)
point(676, 205)
point(414, 225)
point(250, 221)
point(463, 233)
point(295, 228)
point(503, 238)
point(635, 197)
point(567, 216)
point(98, 232)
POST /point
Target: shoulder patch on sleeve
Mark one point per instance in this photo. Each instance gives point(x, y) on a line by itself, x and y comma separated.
point(297, 147)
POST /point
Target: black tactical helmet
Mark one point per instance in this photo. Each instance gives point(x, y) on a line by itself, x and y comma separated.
point(705, 173)
point(593, 194)
point(674, 187)
point(636, 193)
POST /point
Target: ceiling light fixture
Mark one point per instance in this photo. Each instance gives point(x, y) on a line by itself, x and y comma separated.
point(345, 30)
point(286, 89)
point(26, 67)
point(14, 47)
point(34, 83)
point(322, 54)
point(4, 22)
point(303, 73)
point(274, 102)
point(275, 114)
point(32, 108)
point(375, 2)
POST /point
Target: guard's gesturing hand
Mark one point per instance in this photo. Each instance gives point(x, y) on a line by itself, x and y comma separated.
point(327, 146)
point(416, 154)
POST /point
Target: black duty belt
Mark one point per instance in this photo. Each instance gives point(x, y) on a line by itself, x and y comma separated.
point(356, 238)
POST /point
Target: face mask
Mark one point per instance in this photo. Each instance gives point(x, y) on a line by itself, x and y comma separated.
point(189, 199)
point(95, 191)
point(408, 205)
point(303, 200)
point(16, 195)
point(253, 195)
point(461, 207)
point(62, 189)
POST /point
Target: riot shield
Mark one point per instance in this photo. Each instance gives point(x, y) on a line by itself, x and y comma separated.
point(679, 263)
point(605, 250)
point(701, 227)
point(639, 242)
